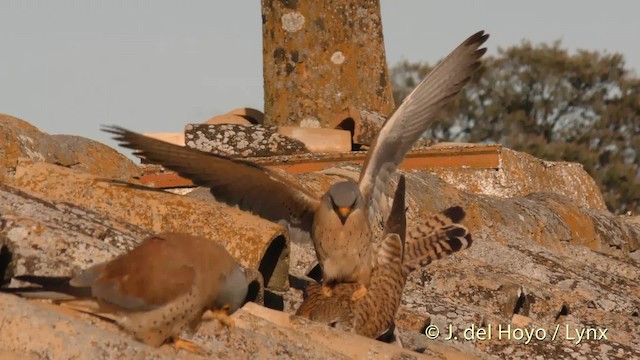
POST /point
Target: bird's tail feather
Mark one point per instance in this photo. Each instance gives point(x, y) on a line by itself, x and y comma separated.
point(38, 293)
point(91, 307)
point(438, 237)
point(392, 248)
point(58, 290)
point(49, 287)
point(128, 184)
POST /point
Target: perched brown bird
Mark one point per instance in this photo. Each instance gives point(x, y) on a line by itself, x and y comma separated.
point(161, 288)
point(339, 223)
point(439, 236)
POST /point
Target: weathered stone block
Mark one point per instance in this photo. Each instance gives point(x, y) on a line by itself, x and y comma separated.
point(176, 138)
point(19, 139)
point(315, 62)
point(261, 141)
point(241, 141)
point(364, 125)
point(249, 240)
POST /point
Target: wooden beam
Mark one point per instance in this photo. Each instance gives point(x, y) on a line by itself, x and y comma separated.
point(467, 156)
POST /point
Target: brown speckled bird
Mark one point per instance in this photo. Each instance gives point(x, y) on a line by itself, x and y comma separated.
point(372, 316)
point(162, 288)
point(339, 223)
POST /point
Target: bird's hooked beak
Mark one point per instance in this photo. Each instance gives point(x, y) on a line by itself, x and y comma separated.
point(343, 213)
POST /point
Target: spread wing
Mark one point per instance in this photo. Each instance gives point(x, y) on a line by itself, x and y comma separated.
point(251, 187)
point(415, 115)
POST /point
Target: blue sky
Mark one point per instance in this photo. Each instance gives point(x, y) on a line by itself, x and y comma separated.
point(154, 66)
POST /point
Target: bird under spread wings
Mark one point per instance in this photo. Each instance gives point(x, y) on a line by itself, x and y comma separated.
point(401, 252)
point(339, 223)
point(371, 315)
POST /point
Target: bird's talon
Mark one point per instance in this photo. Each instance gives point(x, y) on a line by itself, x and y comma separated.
point(359, 294)
point(186, 345)
point(222, 315)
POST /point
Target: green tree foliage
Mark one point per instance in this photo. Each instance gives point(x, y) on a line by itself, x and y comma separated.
point(582, 107)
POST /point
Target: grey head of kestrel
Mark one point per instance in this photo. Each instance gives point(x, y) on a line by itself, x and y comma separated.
point(341, 234)
point(343, 198)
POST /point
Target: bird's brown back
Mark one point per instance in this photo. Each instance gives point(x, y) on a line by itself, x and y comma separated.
point(336, 310)
point(162, 268)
